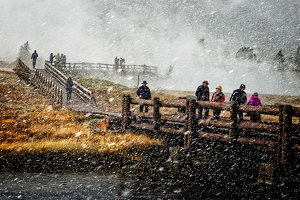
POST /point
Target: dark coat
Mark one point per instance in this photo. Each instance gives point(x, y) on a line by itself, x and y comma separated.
point(34, 56)
point(202, 91)
point(239, 96)
point(69, 85)
point(144, 92)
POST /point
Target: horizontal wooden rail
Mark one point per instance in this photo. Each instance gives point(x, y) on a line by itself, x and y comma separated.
point(215, 105)
point(219, 123)
point(270, 110)
point(173, 103)
point(258, 126)
point(184, 122)
point(141, 102)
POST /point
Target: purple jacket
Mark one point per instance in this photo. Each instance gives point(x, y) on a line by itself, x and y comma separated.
point(254, 102)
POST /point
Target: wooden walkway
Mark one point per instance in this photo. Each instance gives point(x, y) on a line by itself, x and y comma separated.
point(51, 83)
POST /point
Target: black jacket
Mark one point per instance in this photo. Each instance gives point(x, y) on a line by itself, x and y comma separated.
point(144, 92)
point(239, 96)
point(202, 91)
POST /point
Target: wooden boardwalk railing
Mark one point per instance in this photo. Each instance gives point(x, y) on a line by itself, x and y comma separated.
point(22, 71)
point(47, 87)
point(70, 67)
point(191, 127)
point(85, 94)
point(44, 84)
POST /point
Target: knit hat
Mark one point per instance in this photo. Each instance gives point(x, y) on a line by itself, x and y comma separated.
point(206, 82)
point(219, 87)
point(242, 86)
point(255, 94)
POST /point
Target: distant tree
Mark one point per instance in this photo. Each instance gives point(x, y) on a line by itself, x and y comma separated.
point(24, 53)
point(246, 53)
point(297, 58)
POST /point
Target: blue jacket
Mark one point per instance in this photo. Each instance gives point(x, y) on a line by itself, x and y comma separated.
point(144, 92)
point(34, 56)
point(69, 85)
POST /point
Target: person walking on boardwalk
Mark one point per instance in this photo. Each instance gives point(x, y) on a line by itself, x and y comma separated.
point(51, 58)
point(202, 94)
point(218, 96)
point(254, 101)
point(144, 92)
point(69, 87)
point(240, 97)
point(34, 56)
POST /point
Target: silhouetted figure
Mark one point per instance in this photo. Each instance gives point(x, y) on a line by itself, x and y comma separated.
point(202, 94)
point(34, 56)
point(69, 88)
point(51, 58)
point(144, 92)
point(240, 97)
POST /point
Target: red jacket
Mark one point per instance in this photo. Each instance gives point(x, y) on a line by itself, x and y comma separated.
point(219, 98)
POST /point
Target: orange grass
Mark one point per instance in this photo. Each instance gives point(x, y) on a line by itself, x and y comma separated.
point(28, 123)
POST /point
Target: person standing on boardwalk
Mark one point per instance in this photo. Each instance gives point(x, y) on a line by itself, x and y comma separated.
point(254, 101)
point(51, 58)
point(57, 59)
point(202, 94)
point(218, 96)
point(69, 87)
point(144, 92)
point(34, 56)
point(117, 60)
point(240, 97)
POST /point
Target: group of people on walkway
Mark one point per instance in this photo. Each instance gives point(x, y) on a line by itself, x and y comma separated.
point(60, 59)
point(239, 96)
point(202, 93)
point(119, 61)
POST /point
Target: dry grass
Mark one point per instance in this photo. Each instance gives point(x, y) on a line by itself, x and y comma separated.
point(28, 123)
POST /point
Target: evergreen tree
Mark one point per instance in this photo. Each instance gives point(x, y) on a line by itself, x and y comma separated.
point(24, 53)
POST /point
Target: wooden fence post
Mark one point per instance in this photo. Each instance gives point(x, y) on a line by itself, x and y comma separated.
point(60, 98)
point(186, 122)
point(126, 112)
point(233, 131)
point(156, 115)
point(284, 138)
point(191, 124)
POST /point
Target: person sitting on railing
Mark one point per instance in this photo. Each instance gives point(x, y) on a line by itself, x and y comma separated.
point(218, 96)
point(69, 87)
point(144, 92)
point(202, 94)
point(51, 58)
point(240, 97)
point(34, 56)
point(254, 101)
